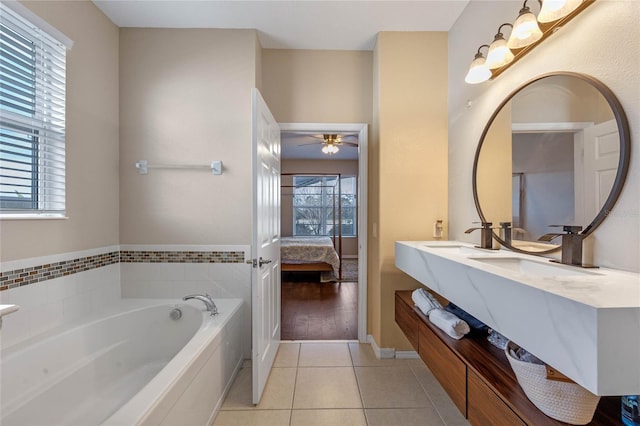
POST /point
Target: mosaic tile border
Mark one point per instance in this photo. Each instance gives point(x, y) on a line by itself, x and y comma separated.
point(130, 256)
point(36, 274)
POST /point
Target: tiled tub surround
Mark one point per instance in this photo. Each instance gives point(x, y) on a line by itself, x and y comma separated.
point(80, 283)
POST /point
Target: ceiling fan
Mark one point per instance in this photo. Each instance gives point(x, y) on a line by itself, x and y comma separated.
point(332, 141)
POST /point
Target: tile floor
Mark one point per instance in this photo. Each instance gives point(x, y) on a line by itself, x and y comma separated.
point(340, 384)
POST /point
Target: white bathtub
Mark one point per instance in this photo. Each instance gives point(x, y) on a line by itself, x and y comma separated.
point(131, 365)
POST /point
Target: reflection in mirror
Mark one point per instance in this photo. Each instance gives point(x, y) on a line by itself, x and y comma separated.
point(549, 157)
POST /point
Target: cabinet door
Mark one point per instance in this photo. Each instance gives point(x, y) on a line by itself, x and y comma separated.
point(450, 371)
point(407, 321)
point(485, 407)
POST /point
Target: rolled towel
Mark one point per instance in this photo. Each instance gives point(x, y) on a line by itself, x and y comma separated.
point(477, 326)
point(449, 323)
point(425, 303)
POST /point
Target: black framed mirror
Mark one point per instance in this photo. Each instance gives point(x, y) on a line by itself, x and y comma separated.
point(555, 152)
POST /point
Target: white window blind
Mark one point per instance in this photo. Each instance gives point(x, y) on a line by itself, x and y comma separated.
point(32, 117)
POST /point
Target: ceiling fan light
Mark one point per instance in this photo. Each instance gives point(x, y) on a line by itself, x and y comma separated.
point(552, 10)
point(525, 30)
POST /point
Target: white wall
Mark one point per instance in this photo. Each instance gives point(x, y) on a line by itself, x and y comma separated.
point(586, 45)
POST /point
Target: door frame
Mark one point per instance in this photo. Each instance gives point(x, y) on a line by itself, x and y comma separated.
point(363, 164)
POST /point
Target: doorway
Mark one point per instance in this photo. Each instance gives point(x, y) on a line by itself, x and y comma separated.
point(317, 302)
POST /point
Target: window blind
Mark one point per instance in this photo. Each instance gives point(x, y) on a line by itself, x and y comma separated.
point(32, 117)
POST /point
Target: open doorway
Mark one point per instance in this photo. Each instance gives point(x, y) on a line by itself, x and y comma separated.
point(323, 228)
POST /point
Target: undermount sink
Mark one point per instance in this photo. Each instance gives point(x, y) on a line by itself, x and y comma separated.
point(529, 267)
point(460, 249)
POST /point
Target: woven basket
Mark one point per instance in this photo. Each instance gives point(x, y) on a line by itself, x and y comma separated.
point(563, 401)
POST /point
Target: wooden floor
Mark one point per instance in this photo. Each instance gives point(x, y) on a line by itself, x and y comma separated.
point(318, 311)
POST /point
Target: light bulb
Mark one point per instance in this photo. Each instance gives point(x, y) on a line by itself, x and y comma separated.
point(499, 53)
point(552, 10)
point(525, 30)
point(478, 71)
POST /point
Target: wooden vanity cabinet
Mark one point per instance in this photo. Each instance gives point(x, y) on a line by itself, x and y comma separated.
point(477, 375)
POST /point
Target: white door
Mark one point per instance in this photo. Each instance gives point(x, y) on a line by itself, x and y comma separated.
point(265, 288)
point(601, 157)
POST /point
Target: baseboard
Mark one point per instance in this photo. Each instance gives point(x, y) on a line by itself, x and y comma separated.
point(407, 355)
point(349, 256)
point(381, 353)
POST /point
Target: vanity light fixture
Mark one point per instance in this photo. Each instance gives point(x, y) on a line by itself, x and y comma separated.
point(499, 53)
point(526, 33)
point(525, 30)
point(478, 71)
point(552, 10)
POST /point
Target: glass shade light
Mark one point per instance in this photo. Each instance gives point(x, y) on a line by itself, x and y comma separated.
point(499, 53)
point(478, 71)
point(552, 10)
point(330, 149)
point(525, 30)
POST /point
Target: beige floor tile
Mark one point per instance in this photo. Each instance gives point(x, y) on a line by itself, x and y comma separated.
point(278, 393)
point(403, 416)
point(324, 355)
point(438, 396)
point(390, 387)
point(362, 355)
point(287, 355)
point(328, 417)
point(326, 387)
point(253, 418)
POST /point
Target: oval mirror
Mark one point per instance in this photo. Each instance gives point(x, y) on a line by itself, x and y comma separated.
point(555, 152)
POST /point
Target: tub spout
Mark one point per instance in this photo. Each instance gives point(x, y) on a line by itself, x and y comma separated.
point(207, 300)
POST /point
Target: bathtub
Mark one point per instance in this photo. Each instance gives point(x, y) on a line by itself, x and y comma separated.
point(132, 364)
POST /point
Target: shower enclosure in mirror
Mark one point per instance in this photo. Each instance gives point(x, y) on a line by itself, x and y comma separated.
point(555, 152)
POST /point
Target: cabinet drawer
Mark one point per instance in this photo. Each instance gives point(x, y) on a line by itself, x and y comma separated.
point(485, 407)
point(407, 321)
point(450, 371)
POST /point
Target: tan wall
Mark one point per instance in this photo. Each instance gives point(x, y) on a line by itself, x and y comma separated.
point(91, 140)
point(346, 167)
point(411, 152)
point(186, 99)
point(318, 86)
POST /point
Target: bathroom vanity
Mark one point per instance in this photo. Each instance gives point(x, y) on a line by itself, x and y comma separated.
point(583, 322)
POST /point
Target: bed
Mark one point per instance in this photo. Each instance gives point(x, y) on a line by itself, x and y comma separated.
point(310, 254)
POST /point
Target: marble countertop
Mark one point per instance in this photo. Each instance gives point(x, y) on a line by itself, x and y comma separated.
point(596, 287)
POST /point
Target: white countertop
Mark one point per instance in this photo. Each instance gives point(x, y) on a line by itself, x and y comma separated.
point(583, 322)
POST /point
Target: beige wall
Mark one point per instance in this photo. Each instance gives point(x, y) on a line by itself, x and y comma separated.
point(346, 167)
point(411, 156)
point(91, 140)
point(614, 244)
point(186, 99)
point(318, 86)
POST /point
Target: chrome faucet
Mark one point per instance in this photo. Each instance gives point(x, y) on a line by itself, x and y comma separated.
point(505, 232)
point(486, 237)
point(207, 300)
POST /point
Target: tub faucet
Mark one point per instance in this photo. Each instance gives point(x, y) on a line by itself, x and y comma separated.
point(486, 237)
point(207, 300)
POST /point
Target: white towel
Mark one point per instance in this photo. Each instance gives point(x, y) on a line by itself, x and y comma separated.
point(449, 323)
point(425, 301)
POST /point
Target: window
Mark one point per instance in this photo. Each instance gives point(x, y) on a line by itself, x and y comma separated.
point(32, 116)
point(315, 199)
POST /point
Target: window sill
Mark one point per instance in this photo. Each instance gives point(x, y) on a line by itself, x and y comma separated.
point(32, 216)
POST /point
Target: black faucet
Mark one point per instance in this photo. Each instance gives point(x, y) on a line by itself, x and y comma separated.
point(486, 238)
point(506, 232)
point(571, 244)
